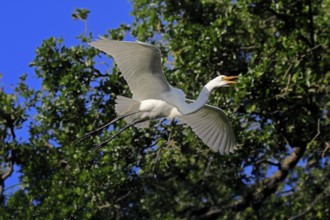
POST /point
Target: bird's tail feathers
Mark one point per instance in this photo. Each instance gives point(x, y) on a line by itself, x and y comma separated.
point(126, 105)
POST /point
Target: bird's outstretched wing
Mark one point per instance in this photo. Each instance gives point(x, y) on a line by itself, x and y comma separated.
point(212, 126)
point(140, 64)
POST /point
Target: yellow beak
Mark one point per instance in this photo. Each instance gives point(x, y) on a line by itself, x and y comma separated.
point(229, 78)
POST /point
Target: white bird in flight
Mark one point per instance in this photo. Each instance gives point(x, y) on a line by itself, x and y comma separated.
point(154, 98)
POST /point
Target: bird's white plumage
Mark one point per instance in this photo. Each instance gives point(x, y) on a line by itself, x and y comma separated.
point(212, 126)
point(140, 64)
point(153, 97)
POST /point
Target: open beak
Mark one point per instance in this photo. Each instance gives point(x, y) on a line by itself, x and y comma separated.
point(229, 79)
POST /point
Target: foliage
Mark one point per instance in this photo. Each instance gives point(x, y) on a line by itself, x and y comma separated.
point(279, 111)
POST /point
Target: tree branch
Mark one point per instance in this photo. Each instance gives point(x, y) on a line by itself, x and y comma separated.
point(9, 171)
point(318, 132)
point(256, 197)
point(312, 205)
point(108, 205)
point(3, 177)
point(311, 23)
point(269, 162)
point(326, 148)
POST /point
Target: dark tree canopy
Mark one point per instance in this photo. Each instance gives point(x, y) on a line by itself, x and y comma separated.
point(280, 112)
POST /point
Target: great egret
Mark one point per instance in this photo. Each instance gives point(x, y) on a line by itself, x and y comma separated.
point(154, 98)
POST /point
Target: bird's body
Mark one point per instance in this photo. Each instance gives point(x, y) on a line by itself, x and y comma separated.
point(155, 108)
point(153, 97)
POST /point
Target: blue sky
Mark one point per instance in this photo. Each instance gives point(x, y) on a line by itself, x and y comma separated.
point(25, 24)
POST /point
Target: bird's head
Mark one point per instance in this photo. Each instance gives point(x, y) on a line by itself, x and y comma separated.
point(223, 80)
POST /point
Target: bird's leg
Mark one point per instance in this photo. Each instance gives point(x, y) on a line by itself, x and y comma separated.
point(105, 125)
point(97, 147)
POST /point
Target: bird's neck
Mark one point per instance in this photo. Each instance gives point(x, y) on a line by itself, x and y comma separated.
point(201, 100)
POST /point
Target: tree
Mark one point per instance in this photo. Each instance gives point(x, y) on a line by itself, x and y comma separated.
point(279, 111)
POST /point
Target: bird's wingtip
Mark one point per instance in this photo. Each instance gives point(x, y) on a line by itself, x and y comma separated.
point(102, 37)
point(143, 43)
